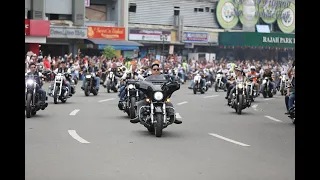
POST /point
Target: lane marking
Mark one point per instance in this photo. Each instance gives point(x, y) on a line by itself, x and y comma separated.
point(178, 116)
point(268, 99)
point(184, 102)
point(273, 119)
point(75, 136)
point(211, 96)
point(254, 107)
point(229, 140)
point(104, 100)
point(74, 112)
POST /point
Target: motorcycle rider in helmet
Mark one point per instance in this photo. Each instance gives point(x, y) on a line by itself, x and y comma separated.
point(255, 75)
point(240, 76)
point(37, 77)
point(155, 70)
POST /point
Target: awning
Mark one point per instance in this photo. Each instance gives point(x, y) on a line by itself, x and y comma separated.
point(254, 39)
point(117, 45)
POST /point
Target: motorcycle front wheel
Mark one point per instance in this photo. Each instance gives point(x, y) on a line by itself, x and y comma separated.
point(159, 124)
point(28, 105)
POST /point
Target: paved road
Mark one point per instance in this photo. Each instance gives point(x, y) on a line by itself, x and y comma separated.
point(89, 138)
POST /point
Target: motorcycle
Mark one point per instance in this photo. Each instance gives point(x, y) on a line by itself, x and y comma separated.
point(59, 91)
point(239, 101)
point(110, 83)
point(32, 98)
point(283, 85)
point(90, 85)
point(252, 93)
point(219, 84)
point(198, 87)
point(132, 97)
point(266, 91)
point(154, 115)
point(292, 113)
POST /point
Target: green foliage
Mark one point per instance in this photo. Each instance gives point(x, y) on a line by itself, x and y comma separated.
point(109, 52)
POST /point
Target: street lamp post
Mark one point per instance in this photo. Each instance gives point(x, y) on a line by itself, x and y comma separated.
point(163, 38)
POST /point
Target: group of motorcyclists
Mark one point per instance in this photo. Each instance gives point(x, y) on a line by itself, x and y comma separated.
point(169, 71)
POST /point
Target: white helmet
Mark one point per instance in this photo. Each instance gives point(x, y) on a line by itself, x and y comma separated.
point(253, 67)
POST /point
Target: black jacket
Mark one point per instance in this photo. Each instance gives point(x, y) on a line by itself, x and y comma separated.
point(92, 69)
point(35, 77)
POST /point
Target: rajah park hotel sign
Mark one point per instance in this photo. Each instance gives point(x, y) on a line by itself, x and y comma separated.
point(267, 8)
point(278, 40)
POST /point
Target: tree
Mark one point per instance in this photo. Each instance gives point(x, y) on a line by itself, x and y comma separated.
point(109, 52)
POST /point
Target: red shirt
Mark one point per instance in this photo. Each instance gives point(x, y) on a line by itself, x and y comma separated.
point(46, 64)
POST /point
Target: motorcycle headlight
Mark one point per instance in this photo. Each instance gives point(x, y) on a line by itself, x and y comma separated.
point(158, 96)
point(29, 82)
point(130, 86)
point(264, 81)
point(240, 85)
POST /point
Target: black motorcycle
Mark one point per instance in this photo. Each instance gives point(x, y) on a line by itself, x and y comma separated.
point(154, 115)
point(58, 90)
point(198, 84)
point(132, 97)
point(90, 85)
point(239, 100)
point(267, 91)
point(33, 98)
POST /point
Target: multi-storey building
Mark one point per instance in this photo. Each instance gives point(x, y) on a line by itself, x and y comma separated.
point(79, 24)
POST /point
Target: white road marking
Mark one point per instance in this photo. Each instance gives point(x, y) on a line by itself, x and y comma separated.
point(184, 102)
point(268, 99)
point(178, 116)
point(211, 96)
point(104, 100)
point(254, 107)
point(75, 136)
point(74, 112)
point(229, 140)
point(273, 119)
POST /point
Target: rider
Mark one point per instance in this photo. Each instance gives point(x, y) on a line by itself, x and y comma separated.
point(155, 69)
point(239, 76)
point(64, 69)
point(255, 75)
point(267, 73)
point(203, 80)
point(292, 95)
point(37, 76)
point(131, 74)
point(92, 69)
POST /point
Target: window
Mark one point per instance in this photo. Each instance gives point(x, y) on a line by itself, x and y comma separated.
point(207, 9)
point(195, 9)
point(59, 17)
point(200, 9)
point(132, 7)
point(213, 10)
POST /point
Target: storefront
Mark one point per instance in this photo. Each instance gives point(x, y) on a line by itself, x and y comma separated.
point(36, 32)
point(257, 45)
point(64, 39)
point(99, 37)
point(156, 42)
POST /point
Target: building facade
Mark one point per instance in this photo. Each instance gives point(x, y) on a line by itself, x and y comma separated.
point(194, 25)
point(79, 24)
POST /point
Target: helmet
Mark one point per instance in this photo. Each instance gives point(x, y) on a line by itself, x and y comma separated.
point(252, 67)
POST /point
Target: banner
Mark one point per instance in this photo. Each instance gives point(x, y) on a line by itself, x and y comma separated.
point(197, 37)
point(111, 33)
point(149, 35)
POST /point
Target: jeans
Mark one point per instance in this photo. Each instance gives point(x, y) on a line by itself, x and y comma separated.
point(42, 92)
point(271, 86)
point(229, 89)
point(97, 79)
point(69, 86)
point(182, 76)
point(203, 82)
point(292, 97)
point(122, 93)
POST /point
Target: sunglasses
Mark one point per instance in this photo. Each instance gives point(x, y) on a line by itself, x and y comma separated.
point(157, 69)
point(32, 67)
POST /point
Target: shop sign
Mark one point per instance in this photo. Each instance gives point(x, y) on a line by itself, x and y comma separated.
point(195, 37)
point(287, 22)
point(110, 33)
point(68, 32)
point(26, 27)
point(213, 37)
point(189, 45)
point(149, 35)
point(226, 14)
point(255, 39)
point(40, 28)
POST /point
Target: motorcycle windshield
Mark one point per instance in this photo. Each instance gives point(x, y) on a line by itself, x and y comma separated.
point(153, 82)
